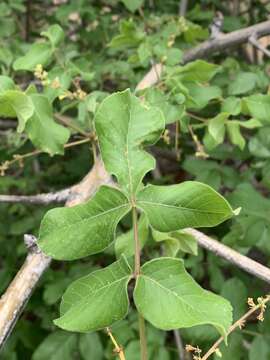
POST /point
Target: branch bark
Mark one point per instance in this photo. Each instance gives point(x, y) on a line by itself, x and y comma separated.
point(19, 291)
point(48, 198)
point(207, 48)
point(243, 262)
point(226, 41)
point(7, 124)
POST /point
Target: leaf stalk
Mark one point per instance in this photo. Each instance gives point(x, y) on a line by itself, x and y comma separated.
point(142, 333)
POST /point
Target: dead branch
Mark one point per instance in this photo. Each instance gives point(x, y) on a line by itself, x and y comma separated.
point(45, 199)
point(226, 41)
point(74, 193)
point(7, 124)
point(183, 5)
point(209, 47)
point(243, 262)
point(19, 291)
point(253, 40)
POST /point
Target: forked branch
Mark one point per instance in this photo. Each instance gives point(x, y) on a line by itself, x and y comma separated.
point(19, 291)
point(208, 48)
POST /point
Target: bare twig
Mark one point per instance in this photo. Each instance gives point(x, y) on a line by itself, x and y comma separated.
point(226, 41)
point(7, 124)
point(179, 345)
point(243, 262)
point(216, 26)
point(52, 197)
point(253, 40)
point(117, 349)
point(208, 48)
point(183, 4)
point(20, 158)
point(19, 291)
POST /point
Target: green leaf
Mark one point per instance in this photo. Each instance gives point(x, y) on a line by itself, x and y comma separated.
point(243, 83)
point(175, 241)
point(259, 107)
point(235, 291)
point(259, 145)
point(39, 53)
point(187, 242)
point(171, 112)
point(124, 243)
point(216, 127)
point(249, 124)
point(173, 56)
point(231, 105)
point(133, 5)
point(189, 204)
point(235, 135)
point(200, 95)
point(6, 83)
point(58, 345)
point(72, 233)
point(55, 34)
point(123, 125)
point(168, 297)
point(90, 345)
point(129, 36)
point(198, 70)
point(97, 300)
point(42, 130)
point(15, 103)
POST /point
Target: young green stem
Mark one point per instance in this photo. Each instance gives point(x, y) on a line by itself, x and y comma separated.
point(143, 344)
point(136, 242)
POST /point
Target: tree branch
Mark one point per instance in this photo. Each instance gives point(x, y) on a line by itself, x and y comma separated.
point(183, 5)
point(207, 48)
point(7, 124)
point(253, 39)
point(243, 262)
point(48, 198)
point(19, 291)
point(179, 344)
point(226, 41)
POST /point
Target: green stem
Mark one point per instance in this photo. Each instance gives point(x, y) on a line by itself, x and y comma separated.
point(143, 344)
point(136, 242)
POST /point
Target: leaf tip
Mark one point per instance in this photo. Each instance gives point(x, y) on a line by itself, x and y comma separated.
point(237, 211)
